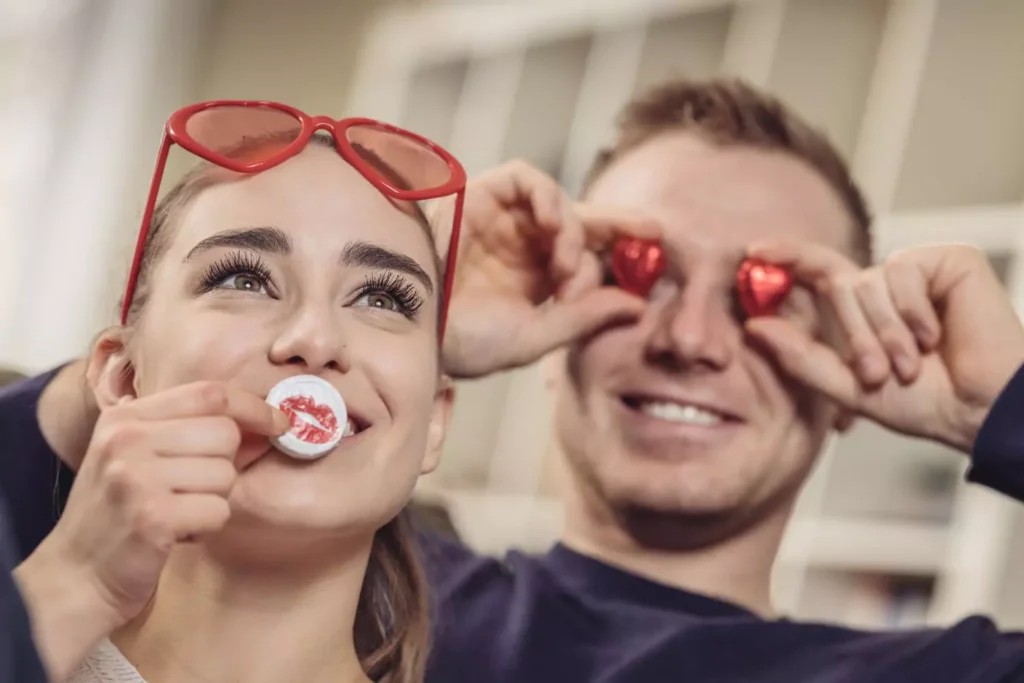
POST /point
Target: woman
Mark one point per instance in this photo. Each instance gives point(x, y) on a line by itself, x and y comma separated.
point(294, 571)
point(309, 262)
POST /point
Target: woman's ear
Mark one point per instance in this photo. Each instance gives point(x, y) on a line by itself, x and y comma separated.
point(110, 374)
point(440, 419)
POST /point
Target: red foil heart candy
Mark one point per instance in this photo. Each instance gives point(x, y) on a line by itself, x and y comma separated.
point(762, 286)
point(637, 264)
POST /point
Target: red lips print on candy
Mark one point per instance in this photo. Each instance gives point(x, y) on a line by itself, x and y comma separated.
point(637, 264)
point(762, 286)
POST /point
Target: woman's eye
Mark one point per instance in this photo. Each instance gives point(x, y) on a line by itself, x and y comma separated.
point(378, 300)
point(243, 282)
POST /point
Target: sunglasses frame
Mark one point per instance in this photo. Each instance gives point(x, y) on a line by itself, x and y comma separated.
point(176, 132)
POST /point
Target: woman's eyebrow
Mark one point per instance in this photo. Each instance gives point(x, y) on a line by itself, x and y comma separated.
point(265, 239)
point(374, 256)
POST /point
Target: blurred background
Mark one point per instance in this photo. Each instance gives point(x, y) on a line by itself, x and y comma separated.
point(925, 97)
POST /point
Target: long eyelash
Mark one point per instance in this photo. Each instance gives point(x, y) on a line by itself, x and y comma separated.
point(235, 263)
point(398, 288)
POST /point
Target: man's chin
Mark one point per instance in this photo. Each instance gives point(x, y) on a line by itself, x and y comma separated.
point(676, 527)
point(678, 509)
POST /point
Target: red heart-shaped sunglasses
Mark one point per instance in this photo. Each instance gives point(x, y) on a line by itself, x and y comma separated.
point(400, 164)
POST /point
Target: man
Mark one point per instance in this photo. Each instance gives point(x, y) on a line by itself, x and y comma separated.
point(688, 428)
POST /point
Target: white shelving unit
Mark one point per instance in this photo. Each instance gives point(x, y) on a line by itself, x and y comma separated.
point(926, 99)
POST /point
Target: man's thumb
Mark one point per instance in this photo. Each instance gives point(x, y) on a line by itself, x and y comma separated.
point(563, 322)
point(806, 360)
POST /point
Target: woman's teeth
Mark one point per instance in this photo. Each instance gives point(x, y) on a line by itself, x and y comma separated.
point(676, 412)
point(350, 428)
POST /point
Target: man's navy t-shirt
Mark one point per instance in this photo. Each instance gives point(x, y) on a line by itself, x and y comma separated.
point(564, 618)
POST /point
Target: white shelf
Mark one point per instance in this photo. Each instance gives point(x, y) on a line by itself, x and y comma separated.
point(866, 545)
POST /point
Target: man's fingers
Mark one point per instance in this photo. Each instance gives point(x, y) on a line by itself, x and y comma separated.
point(806, 360)
point(518, 184)
point(603, 224)
point(892, 332)
point(587, 278)
point(808, 262)
point(249, 411)
point(869, 358)
point(834, 277)
point(909, 291)
point(563, 322)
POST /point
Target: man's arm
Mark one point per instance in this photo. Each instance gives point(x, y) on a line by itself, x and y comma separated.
point(33, 480)
point(67, 413)
point(998, 456)
point(19, 660)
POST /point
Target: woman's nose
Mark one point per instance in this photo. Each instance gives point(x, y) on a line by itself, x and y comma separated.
point(312, 341)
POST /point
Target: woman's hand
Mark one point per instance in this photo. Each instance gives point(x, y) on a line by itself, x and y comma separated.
point(528, 276)
point(158, 472)
point(932, 337)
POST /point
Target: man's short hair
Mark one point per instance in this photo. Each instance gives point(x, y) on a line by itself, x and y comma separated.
point(730, 112)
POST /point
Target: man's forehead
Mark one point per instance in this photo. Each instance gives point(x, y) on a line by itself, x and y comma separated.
point(732, 195)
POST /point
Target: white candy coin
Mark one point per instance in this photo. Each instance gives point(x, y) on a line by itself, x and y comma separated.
point(317, 412)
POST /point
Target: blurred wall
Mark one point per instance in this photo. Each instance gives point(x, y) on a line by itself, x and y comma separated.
point(86, 94)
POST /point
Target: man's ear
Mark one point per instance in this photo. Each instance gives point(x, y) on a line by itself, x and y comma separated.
point(110, 373)
point(440, 419)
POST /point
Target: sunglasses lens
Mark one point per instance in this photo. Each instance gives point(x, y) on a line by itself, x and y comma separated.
point(405, 163)
point(243, 133)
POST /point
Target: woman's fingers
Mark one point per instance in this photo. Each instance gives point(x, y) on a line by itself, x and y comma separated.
point(194, 514)
point(210, 437)
point(195, 475)
point(249, 411)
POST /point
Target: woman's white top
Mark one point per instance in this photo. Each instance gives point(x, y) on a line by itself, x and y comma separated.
point(106, 664)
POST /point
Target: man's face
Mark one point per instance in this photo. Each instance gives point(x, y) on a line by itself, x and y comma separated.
point(679, 414)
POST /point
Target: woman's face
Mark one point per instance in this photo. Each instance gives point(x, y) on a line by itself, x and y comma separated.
point(306, 269)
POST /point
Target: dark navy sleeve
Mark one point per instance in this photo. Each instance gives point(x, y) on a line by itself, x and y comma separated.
point(19, 660)
point(445, 560)
point(33, 480)
point(998, 458)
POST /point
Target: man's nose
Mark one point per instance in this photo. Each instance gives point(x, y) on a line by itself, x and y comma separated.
point(698, 328)
point(311, 339)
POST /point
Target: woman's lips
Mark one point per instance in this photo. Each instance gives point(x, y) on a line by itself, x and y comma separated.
point(312, 422)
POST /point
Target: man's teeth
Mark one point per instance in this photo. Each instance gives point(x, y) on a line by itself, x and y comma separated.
point(350, 428)
point(675, 412)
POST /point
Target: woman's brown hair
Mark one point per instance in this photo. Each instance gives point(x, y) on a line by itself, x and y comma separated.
point(392, 622)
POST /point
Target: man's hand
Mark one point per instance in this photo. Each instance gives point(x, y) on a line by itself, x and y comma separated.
point(528, 276)
point(932, 337)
